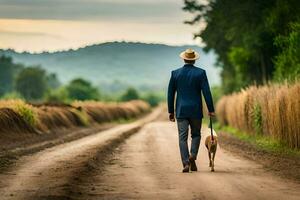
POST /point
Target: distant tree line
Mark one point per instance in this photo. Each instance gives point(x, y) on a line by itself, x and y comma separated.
point(256, 41)
point(33, 83)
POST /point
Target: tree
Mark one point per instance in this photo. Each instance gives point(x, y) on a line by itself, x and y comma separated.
point(52, 81)
point(130, 94)
point(31, 83)
point(288, 61)
point(8, 71)
point(80, 89)
point(242, 33)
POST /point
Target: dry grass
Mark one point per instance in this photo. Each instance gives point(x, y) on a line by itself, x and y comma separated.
point(11, 121)
point(18, 116)
point(58, 117)
point(100, 112)
point(272, 110)
point(26, 111)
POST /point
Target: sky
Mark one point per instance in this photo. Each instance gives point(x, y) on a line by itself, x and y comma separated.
point(52, 25)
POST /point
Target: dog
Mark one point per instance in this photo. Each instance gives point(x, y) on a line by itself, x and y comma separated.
point(211, 143)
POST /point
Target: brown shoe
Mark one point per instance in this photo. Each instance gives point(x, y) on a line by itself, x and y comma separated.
point(193, 164)
point(186, 168)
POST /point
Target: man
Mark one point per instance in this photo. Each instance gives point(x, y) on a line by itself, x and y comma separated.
point(189, 82)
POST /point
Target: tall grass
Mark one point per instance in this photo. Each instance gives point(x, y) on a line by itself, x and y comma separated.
point(26, 111)
point(103, 112)
point(272, 110)
point(16, 115)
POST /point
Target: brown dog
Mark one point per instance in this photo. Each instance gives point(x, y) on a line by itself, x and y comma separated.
point(211, 143)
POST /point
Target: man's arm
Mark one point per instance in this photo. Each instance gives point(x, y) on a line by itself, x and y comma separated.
point(207, 94)
point(171, 97)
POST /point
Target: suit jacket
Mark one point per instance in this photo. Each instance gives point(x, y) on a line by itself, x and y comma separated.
point(189, 82)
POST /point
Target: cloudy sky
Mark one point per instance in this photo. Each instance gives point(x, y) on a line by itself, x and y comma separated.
point(39, 25)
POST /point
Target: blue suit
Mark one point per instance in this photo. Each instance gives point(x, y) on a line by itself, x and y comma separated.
point(189, 82)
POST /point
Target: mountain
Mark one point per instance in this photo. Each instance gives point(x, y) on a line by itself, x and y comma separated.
point(116, 65)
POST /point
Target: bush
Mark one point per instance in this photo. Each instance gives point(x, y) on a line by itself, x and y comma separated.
point(152, 99)
point(130, 94)
point(80, 89)
point(57, 95)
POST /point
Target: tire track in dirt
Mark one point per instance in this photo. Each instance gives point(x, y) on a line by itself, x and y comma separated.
point(147, 166)
point(47, 174)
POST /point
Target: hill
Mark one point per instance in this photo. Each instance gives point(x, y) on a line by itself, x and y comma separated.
point(116, 65)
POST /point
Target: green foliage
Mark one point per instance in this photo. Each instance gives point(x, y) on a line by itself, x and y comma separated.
point(52, 81)
point(12, 95)
point(57, 95)
point(115, 66)
point(153, 99)
point(257, 116)
point(83, 116)
point(288, 61)
point(8, 71)
point(262, 142)
point(243, 34)
point(31, 83)
point(80, 89)
point(239, 57)
point(27, 114)
point(110, 97)
point(130, 94)
point(216, 92)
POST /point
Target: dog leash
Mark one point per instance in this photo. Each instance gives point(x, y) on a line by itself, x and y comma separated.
point(211, 128)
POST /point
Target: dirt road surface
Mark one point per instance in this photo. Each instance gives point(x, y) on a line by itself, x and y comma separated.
point(146, 166)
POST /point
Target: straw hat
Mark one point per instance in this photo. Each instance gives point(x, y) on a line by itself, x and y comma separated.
point(189, 54)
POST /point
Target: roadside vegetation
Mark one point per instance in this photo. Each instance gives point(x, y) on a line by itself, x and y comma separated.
point(258, 46)
point(34, 84)
point(265, 111)
point(269, 152)
point(261, 142)
point(255, 41)
point(33, 100)
point(19, 117)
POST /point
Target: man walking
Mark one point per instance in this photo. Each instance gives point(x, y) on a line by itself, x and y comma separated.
point(189, 82)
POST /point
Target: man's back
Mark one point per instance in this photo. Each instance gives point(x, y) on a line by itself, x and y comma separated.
point(189, 81)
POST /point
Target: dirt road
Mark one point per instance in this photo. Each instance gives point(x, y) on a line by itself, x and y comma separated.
point(146, 166)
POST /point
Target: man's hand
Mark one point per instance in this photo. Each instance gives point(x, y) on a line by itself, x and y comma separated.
point(211, 114)
point(171, 117)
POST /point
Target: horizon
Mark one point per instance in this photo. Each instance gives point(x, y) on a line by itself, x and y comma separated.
point(98, 44)
point(58, 25)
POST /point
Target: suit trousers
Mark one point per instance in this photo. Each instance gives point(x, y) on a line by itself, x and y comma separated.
point(183, 125)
